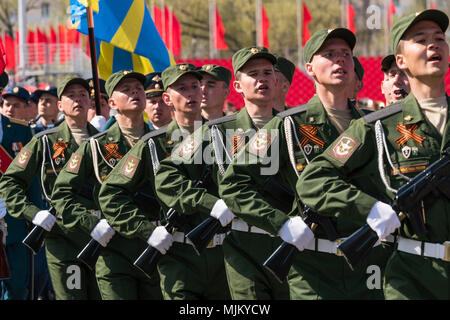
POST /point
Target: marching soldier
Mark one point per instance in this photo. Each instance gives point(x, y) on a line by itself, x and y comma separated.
point(46, 154)
point(157, 113)
point(215, 86)
point(116, 276)
point(137, 168)
point(260, 191)
point(395, 84)
point(284, 71)
point(353, 181)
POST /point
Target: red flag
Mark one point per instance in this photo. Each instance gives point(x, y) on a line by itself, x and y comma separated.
point(219, 37)
point(64, 53)
point(2, 57)
point(391, 11)
point(350, 18)
point(432, 5)
point(52, 45)
point(265, 25)
point(41, 44)
point(157, 19)
point(172, 32)
point(10, 50)
point(31, 44)
point(305, 30)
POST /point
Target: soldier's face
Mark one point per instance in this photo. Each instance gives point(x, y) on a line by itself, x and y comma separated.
point(214, 92)
point(393, 82)
point(184, 95)
point(282, 85)
point(128, 96)
point(257, 80)
point(158, 111)
point(75, 101)
point(14, 107)
point(332, 64)
point(48, 105)
point(424, 51)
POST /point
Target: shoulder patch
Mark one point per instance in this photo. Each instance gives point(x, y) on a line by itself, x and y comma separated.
point(292, 111)
point(19, 121)
point(228, 118)
point(383, 113)
point(260, 143)
point(344, 148)
point(23, 157)
point(129, 166)
point(74, 163)
point(154, 133)
point(188, 147)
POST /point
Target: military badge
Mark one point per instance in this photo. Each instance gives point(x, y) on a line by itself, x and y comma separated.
point(74, 163)
point(23, 158)
point(112, 154)
point(254, 50)
point(406, 151)
point(187, 148)
point(310, 134)
point(16, 89)
point(408, 132)
point(260, 143)
point(130, 166)
point(16, 147)
point(409, 169)
point(300, 167)
point(308, 148)
point(344, 148)
point(414, 151)
point(59, 148)
point(183, 67)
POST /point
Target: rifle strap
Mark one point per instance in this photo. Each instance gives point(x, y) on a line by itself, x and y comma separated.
point(153, 155)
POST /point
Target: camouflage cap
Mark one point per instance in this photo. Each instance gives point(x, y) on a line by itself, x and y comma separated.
point(4, 79)
point(70, 81)
point(173, 73)
point(386, 63)
point(153, 84)
point(48, 89)
point(319, 37)
point(286, 67)
point(242, 56)
point(118, 76)
point(18, 92)
point(217, 72)
point(358, 68)
point(404, 23)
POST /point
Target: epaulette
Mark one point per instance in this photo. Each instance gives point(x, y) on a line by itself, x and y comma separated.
point(384, 113)
point(228, 118)
point(292, 111)
point(48, 131)
point(97, 135)
point(19, 121)
point(365, 112)
point(154, 133)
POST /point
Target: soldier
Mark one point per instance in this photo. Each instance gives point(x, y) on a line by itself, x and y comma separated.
point(395, 84)
point(47, 154)
point(260, 191)
point(256, 82)
point(284, 70)
point(352, 180)
point(32, 108)
point(117, 278)
point(158, 113)
point(98, 120)
point(357, 83)
point(15, 101)
point(137, 168)
point(215, 86)
point(47, 109)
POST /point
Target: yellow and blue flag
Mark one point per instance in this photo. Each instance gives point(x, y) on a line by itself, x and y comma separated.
point(126, 37)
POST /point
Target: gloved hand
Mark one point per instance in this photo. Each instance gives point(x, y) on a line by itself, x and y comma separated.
point(98, 122)
point(221, 212)
point(296, 232)
point(102, 232)
point(382, 219)
point(44, 219)
point(2, 209)
point(160, 239)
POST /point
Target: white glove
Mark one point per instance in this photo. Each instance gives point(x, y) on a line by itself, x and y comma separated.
point(160, 239)
point(221, 212)
point(102, 232)
point(2, 209)
point(382, 219)
point(44, 219)
point(98, 122)
point(296, 232)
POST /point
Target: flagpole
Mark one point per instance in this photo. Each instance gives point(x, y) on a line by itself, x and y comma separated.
point(344, 20)
point(171, 29)
point(90, 21)
point(387, 27)
point(258, 23)
point(300, 32)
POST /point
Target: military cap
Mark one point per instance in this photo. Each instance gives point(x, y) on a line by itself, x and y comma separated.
point(386, 63)
point(286, 67)
point(101, 84)
point(4, 79)
point(70, 81)
point(173, 73)
point(242, 56)
point(358, 68)
point(319, 37)
point(217, 72)
point(404, 23)
point(18, 92)
point(34, 97)
point(153, 85)
point(48, 89)
point(115, 78)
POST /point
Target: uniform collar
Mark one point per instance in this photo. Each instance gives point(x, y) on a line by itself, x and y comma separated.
point(114, 134)
point(316, 113)
point(244, 120)
point(65, 135)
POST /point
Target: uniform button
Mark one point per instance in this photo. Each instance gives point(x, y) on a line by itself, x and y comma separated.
point(170, 142)
point(408, 118)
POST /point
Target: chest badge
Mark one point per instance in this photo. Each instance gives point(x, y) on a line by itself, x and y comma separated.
point(112, 154)
point(406, 151)
point(408, 132)
point(308, 148)
point(310, 134)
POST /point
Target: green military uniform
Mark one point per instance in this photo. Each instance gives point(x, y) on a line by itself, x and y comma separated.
point(116, 276)
point(46, 154)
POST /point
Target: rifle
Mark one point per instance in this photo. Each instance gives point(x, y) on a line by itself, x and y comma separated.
point(35, 239)
point(408, 204)
point(201, 235)
point(280, 261)
point(90, 253)
point(149, 258)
